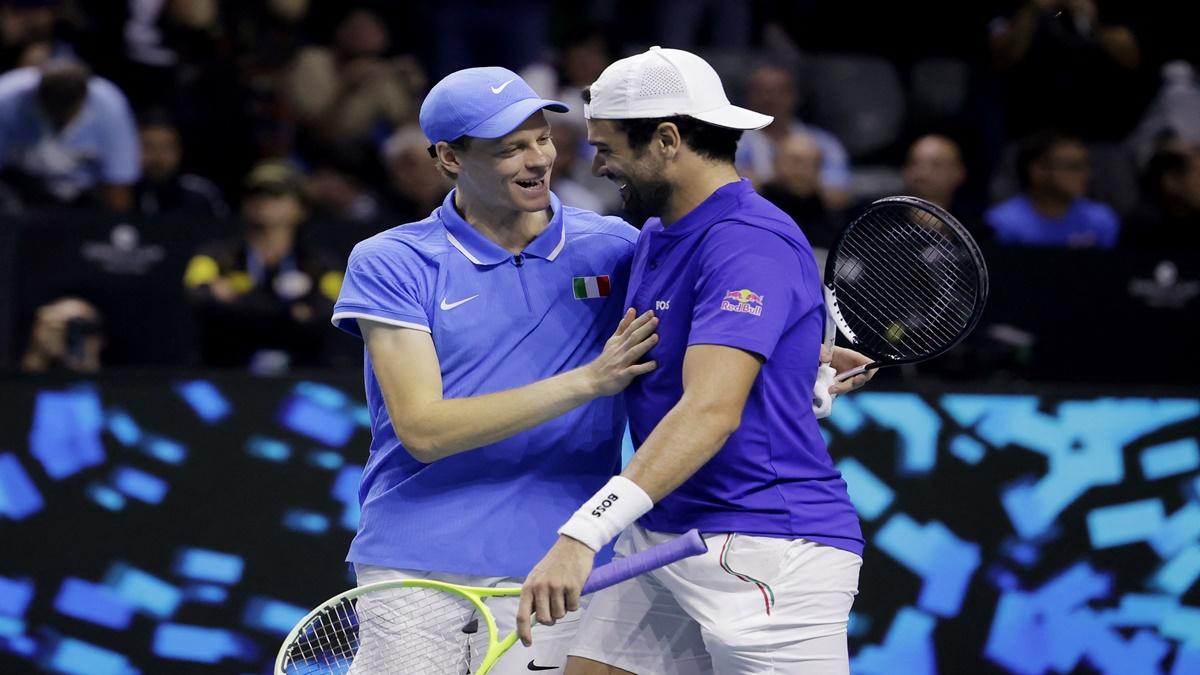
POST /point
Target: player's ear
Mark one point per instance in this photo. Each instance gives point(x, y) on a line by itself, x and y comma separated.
point(666, 139)
point(449, 158)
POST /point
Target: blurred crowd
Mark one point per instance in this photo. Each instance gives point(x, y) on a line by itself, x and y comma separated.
point(287, 128)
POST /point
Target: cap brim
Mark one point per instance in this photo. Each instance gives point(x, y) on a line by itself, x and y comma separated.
point(733, 117)
point(514, 116)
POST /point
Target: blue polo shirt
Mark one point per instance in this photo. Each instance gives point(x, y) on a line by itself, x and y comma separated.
point(99, 146)
point(737, 271)
point(498, 321)
point(1086, 224)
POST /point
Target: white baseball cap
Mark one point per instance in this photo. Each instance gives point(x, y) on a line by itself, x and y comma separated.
point(664, 83)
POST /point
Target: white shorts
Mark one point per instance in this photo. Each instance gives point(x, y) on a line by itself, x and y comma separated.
point(750, 605)
point(465, 649)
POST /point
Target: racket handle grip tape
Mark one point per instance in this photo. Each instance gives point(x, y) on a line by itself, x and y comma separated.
point(842, 377)
point(623, 569)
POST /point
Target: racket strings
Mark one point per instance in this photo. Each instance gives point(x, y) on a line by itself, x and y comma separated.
point(885, 308)
point(410, 630)
point(905, 282)
point(913, 311)
point(912, 295)
point(950, 281)
point(901, 321)
point(935, 237)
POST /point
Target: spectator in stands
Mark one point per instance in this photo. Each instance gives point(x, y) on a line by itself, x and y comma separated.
point(67, 136)
point(68, 335)
point(569, 140)
point(164, 189)
point(796, 188)
point(1174, 113)
point(773, 90)
point(1051, 210)
point(347, 91)
point(263, 299)
point(583, 52)
point(1063, 61)
point(177, 55)
point(1168, 218)
point(338, 186)
point(416, 187)
point(934, 171)
point(27, 35)
point(267, 37)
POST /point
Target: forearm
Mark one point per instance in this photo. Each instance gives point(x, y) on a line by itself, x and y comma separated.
point(441, 428)
point(686, 438)
point(432, 427)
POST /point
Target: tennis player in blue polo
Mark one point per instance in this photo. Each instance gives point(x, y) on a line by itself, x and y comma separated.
point(490, 370)
point(727, 441)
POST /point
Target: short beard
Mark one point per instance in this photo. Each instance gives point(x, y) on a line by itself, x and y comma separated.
point(647, 199)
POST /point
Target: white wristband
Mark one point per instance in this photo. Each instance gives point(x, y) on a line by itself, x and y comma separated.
point(822, 399)
point(615, 507)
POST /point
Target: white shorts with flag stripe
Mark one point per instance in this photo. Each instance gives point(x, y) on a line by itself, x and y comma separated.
point(751, 605)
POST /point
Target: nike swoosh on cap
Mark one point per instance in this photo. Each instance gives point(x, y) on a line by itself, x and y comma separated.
point(452, 305)
point(534, 666)
point(497, 90)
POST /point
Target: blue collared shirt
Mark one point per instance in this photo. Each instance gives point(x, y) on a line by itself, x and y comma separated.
point(99, 146)
point(498, 321)
point(737, 272)
point(1086, 223)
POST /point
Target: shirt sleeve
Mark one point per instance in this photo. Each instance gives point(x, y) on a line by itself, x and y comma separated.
point(121, 164)
point(753, 285)
point(835, 162)
point(384, 285)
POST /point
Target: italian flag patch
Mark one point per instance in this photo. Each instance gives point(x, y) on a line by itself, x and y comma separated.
point(591, 287)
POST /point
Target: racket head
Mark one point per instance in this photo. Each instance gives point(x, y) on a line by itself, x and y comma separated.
point(410, 620)
point(905, 281)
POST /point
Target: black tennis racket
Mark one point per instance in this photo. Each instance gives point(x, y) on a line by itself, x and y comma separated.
point(904, 283)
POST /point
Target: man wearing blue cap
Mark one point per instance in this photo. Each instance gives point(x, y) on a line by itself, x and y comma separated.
point(490, 370)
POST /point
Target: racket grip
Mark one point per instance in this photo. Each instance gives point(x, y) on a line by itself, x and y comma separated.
point(842, 377)
point(623, 569)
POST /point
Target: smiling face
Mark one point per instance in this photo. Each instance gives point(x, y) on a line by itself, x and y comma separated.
point(638, 174)
point(510, 173)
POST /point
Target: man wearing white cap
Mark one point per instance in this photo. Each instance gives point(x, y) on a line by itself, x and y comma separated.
point(727, 440)
point(489, 373)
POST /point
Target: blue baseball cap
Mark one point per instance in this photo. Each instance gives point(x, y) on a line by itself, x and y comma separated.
point(480, 102)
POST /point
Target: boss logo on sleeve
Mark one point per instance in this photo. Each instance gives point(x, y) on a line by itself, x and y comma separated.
point(744, 301)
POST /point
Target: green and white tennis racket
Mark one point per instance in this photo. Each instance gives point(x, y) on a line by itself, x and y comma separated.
point(423, 627)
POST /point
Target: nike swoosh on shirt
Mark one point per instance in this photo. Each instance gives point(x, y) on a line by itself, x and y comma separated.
point(497, 90)
point(452, 305)
point(534, 666)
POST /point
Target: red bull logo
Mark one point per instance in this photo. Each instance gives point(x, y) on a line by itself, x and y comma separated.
point(744, 301)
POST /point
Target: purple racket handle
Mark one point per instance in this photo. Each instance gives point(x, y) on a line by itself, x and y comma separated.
point(684, 546)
